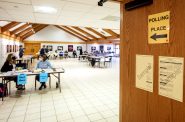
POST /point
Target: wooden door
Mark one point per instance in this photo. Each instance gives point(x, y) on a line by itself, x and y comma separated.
point(32, 48)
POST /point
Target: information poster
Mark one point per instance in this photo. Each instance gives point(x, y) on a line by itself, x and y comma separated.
point(21, 79)
point(171, 77)
point(158, 28)
point(144, 72)
point(43, 77)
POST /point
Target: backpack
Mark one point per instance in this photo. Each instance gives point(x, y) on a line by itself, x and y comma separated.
point(3, 89)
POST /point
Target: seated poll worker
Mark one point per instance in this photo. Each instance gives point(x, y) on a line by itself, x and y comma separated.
point(9, 65)
point(43, 64)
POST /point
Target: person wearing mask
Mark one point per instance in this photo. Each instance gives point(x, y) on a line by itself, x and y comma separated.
point(43, 64)
point(21, 51)
point(42, 50)
point(9, 65)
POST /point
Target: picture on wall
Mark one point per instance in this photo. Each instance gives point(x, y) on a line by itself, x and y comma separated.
point(70, 48)
point(17, 48)
point(11, 48)
point(93, 48)
point(8, 48)
point(79, 48)
point(50, 47)
point(108, 48)
point(60, 48)
point(101, 48)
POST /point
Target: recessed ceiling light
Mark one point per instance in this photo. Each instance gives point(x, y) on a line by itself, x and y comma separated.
point(45, 9)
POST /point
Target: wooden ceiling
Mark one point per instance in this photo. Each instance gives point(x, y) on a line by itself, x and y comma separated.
point(22, 31)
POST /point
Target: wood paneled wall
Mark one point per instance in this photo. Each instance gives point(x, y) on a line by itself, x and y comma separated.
point(138, 105)
point(32, 48)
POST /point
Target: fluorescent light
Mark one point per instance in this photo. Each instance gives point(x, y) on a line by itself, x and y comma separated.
point(45, 9)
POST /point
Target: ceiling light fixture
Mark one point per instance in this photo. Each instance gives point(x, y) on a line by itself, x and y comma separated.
point(45, 9)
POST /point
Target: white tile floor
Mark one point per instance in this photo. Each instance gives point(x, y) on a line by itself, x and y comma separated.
point(88, 95)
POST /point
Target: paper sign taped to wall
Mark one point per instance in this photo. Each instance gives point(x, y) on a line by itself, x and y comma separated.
point(144, 72)
point(171, 77)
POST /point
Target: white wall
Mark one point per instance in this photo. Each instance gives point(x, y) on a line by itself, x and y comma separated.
point(65, 47)
point(3, 46)
point(52, 33)
point(98, 47)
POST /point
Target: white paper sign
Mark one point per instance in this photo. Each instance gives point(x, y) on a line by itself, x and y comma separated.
point(144, 72)
point(171, 77)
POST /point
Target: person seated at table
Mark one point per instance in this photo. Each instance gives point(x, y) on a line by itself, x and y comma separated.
point(43, 64)
point(61, 54)
point(9, 65)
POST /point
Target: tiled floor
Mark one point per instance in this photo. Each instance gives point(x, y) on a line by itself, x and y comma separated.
point(88, 95)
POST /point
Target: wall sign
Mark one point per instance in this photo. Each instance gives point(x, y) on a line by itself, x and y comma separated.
point(158, 28)
point(21, 79)
point(171, 77)
point(144, 72)
point(43, 77)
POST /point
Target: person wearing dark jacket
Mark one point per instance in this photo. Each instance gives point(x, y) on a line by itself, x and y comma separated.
point(9, 65)
point(81, 52)
point(42, 51)
point(21, 51)
point(74, 54)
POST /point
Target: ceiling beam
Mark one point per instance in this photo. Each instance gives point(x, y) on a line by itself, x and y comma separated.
point(96, 32)
point(109, 31)
point(86, 33)
point(19, 29)
point(76, 32)
point(103, 42)
point(107, 38)
point(27, 35)
point(40, 27)
point(36, 29)
point(26, 30)
point(9, 26)
point(71, 33)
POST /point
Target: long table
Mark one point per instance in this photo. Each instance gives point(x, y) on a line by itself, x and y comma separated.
point(83, 57)
point(99, 59)
point(3, 76)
